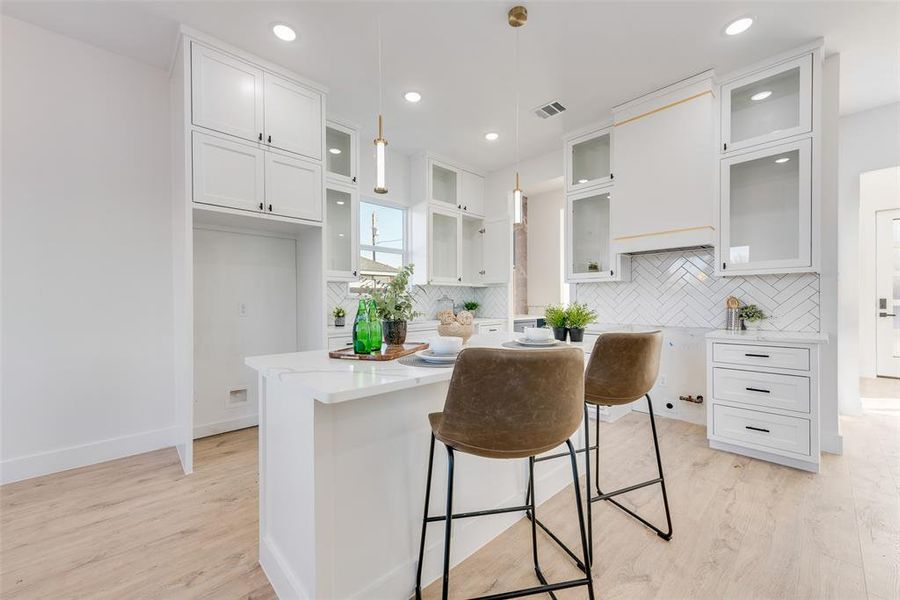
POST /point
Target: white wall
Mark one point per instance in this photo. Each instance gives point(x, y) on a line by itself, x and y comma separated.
point(87, 295)
point(545, 277)
point(536, 175)
point(869, 140)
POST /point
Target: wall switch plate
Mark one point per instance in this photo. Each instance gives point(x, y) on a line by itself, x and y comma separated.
point(237, 397)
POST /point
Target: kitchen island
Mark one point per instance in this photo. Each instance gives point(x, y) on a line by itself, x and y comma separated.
point(343, 458)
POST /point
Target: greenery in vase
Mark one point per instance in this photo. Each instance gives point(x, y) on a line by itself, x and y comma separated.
point(394, 300)
point(751, 313)
point(471, 306)
point(579, 315)
point(338, 312)
point(555, 316)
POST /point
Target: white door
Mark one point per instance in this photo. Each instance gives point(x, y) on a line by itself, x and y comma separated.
point(443, 184)
point(497, 265)
point(444, 240)
point(293, 117)
point(887, 285)
point(226, 94)
point(341, 233)
point(227, 173)
point(472, 196)
point(293, 187)
point(341, 143)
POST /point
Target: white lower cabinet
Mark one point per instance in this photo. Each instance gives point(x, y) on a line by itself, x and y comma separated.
point(764, 398)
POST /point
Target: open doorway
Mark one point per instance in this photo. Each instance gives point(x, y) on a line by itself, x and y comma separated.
point(887, 288)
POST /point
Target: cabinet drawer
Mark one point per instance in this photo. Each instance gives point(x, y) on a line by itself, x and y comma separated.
point(788, 392)
point(762, 356)
point(337, 343)
point(779, 432)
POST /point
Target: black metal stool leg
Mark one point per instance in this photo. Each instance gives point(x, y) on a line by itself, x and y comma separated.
point(448, 524)
point(662, 480)
point(581, 524)
point(589, 558)
point(424, 521)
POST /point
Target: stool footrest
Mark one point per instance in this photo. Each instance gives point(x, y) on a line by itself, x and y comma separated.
point(561, 454)
point(479, 513)
point(541, 589)
point(625, 490)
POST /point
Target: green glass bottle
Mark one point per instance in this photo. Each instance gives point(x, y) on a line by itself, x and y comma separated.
point(361, 329)
point(374, 328)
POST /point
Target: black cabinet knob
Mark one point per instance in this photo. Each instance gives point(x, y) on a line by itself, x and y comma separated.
point(270, 208)
point(354, 179)
point(270, 139)
point(260, 137)
point(465, 208)
point(260, 206)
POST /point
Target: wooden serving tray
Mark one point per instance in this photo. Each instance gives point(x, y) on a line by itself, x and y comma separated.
point(386, 352)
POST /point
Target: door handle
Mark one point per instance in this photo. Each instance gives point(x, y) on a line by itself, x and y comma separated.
point(884, 314)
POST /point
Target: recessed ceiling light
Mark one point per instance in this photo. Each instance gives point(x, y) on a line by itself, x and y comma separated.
point(334, 150)
point(284, 32)
point(412, 97)
point(582, 181)
point(760, 95)
point(491, 136)
point(782, 160)
point(739, 26)
point(340, 202)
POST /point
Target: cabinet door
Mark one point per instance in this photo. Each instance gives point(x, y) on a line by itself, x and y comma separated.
point(341, 233)
point(293, 187)
point(444, 241)
point(767, 209)
point(340, 153)
point(227, 173)
point(588, 240)
point(771, 105)
point(471, 250)
point(496, 251)
point(226, 94)
point(293, 117)
point(472, 196)
point(589, 160)
point(444, 184)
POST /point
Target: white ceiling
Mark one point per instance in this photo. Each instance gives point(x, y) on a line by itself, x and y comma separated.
point(589, 55)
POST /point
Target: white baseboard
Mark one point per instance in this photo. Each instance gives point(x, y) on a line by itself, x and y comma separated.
point(201, 431)
point(44, 463)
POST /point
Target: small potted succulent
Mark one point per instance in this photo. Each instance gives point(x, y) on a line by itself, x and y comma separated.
point(394, 301)
point(578, 316)
point(752, 314)
point(555, 318)
point(471, 306)
point(339, 315)
point(593, 266)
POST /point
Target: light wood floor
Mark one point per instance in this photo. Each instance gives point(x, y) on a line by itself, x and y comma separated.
point(137, 528)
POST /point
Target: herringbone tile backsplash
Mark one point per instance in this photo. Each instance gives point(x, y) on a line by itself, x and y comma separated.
point(678, 289)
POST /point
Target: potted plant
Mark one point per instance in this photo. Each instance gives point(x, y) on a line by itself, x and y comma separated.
point(577, 317)
point(339, 315)
point(471, 306)
point(752, 314)
point(394, 302)
point(593, 266)
point(555, 317)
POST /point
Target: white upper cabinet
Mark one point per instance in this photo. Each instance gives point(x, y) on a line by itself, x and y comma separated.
point(767, 209)
point(293, 187)
point(228, 173)
point(293, 117)
point(444, 246)
point(496, 247)
point(665, 180)
point(444, 184)
point(471, 198)
point(589, 160)
point(589, 255)
point(341, 156)
point(769, 105)
point(341, 233)
point(226, 94)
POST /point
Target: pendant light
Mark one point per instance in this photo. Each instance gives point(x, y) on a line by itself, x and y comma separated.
point(517, 17)
point(380, 142)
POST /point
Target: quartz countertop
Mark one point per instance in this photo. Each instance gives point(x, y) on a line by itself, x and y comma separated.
point(784, 337)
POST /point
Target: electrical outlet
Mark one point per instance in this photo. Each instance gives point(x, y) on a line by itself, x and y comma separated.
point(237, 397)
point(242, 309)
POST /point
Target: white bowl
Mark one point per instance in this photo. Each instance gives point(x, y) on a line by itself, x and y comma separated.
point(445, 346)
point(538, 334)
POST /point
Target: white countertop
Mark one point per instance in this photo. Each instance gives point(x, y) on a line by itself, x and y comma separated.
point(333, 380)
point(784, 337)
point(418, 325)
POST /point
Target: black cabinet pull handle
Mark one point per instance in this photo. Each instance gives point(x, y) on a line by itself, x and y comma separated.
point(270, 208)
point(724, 146)
point(465, 208)
point(612, 176)
point(354, 179)
point(260, 137)
point(752, 389)
point(459, 206)
point(756, 355)
point(260, 206)
point(723, 266)
point(270, 139)
point(349, 344)
point(459, 279)
point(751, 427)
point(611, 273)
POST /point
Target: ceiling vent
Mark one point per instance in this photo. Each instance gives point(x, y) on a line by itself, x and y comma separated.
point(549, 109)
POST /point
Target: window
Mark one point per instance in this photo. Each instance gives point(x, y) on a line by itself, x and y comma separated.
point(382, 243)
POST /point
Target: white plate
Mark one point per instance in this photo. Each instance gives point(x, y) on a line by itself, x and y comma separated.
point(540, 343)
point(429, 356)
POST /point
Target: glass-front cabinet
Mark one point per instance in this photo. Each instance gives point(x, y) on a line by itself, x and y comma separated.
point(340, 153)
point(444, 184)
point(444, 242)
point(589, 160)
point(341, 233)
point(588, 256)
point(770, 105)
point(766, 210)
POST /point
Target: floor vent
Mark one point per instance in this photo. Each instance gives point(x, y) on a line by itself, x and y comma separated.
point(549, 109)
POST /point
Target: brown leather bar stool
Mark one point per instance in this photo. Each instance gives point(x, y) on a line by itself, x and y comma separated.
point(509, 404)
point(622, 368)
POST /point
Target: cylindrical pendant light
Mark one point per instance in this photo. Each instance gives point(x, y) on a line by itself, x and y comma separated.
point(517, 17)
point(380, 142)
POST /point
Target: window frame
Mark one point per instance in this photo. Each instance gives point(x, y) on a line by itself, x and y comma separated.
point(403, 252)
